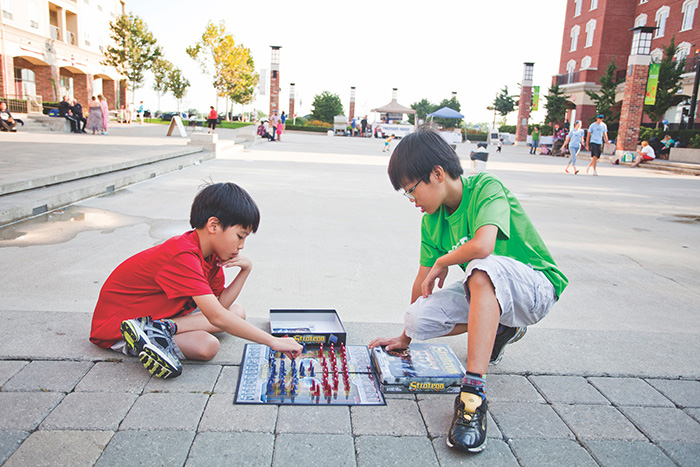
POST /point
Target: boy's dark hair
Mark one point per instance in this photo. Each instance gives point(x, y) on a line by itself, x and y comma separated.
point(229, 203)
point(418, 153)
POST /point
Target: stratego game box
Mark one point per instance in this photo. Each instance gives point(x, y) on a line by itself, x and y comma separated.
point(422, 368)
point(310, 327)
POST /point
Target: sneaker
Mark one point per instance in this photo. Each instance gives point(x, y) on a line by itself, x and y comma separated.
point(508, 336)
point(153, 342)
point(468, 429)
point(595, 173)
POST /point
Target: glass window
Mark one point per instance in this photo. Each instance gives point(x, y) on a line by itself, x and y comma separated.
point(689, 7)
point(67, 86)
point(590, 31)
point(7, 10)
point(594, 4)
point(682, 51)
point(25, 82)
point(577, 7)
point(574, 37)
point(586, 62)
point(641, 20)
point(661, 17)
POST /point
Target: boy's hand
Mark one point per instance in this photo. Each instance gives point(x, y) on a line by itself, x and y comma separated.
point(438, 273)
point(239, 260)
point(391, 343)
point(287, 345)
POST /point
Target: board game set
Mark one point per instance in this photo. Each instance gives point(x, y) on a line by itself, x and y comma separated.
point(329, 372)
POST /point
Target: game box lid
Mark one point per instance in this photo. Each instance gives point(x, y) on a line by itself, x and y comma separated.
point(310, 327)
point(422, 368)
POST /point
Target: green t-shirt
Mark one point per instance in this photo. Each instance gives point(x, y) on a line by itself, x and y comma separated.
point(536, 135)
point(486, 201)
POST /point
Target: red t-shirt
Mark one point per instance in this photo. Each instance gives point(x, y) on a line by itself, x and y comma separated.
point(213, 115)
point(159, 282)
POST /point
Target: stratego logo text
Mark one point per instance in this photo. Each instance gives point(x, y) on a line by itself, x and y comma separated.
point(310, 339)
point(416, 386)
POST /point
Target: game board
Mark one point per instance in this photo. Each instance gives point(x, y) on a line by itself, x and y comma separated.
point(319, 376)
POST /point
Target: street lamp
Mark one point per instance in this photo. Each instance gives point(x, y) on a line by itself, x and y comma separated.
point(494, 115)
point(641, 40)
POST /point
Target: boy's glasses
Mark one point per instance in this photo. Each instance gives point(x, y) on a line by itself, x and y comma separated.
point(409, 194)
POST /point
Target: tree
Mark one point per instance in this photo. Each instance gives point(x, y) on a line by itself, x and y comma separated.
point(231, 66)
point(423, 107)
point(504, 103)
point(134, 50)
point(670, 73)
point(326, 106)
point(556, 105)
point(161, 74)
point(177, 84)
point(605, 99)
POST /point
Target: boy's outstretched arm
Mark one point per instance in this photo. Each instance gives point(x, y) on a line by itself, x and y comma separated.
point(229, 322)
point(230, 293)
point(480, 246)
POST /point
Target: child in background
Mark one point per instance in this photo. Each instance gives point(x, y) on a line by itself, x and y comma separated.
point(387, 143)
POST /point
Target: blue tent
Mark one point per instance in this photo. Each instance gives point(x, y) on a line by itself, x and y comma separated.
point(446, 112)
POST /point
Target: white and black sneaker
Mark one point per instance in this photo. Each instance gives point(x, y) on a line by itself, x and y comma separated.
point(507, 336)
point(153, 342)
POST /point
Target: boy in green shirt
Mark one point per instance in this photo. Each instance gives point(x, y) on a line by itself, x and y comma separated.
point(510, 282)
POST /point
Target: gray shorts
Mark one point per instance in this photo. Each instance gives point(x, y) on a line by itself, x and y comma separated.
point(524, 295)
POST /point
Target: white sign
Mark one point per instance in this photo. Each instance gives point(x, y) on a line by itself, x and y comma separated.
point(397, 130)
point(177, 121)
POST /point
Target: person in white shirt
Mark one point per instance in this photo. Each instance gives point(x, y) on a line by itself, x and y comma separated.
point(644, 154)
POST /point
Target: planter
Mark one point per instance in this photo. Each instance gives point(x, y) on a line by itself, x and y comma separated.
point(685, 155)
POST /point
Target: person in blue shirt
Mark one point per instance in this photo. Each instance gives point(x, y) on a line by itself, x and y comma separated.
point(597, 133)
point(574, 140)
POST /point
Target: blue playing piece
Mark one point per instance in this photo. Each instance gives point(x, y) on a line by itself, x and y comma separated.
point(311, 370)
point(270, 387)
point(302, 372)
point(282, 357)
point(283, 390)
point(303, 348)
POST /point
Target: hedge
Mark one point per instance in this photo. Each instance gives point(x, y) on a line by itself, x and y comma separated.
point(317, 129)
point(645, 134)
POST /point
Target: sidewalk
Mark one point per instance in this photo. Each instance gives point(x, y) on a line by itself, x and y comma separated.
point(609, 378)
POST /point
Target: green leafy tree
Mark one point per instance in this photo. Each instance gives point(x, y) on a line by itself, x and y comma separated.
point(326, 106)
point(605, 98)
point(670, 73)
point(134, 48)
point(161, 73)
point(177, 84)
point(504, 103)
point(556, 105)
point(231, 66)
point(423, 107)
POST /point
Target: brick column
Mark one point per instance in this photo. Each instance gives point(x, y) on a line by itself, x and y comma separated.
point(81, 87)
point(7, 78)
point(352, 104)
point(275, 80)
point(292, 91)
point(524, 107)
point(633, 103)
point(109, 91)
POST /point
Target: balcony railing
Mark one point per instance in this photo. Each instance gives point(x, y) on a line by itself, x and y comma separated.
point(567, 78)
point(72, 38)
point(55, 33)
point(23, 104)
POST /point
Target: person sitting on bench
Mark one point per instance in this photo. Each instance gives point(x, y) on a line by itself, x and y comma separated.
point(7, 123)
point(64, 110)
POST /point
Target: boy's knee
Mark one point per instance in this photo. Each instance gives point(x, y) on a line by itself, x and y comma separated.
point(479, 280)
point(238, 310)
point(210, 347)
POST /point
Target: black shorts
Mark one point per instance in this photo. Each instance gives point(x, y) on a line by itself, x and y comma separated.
point(212, 123)
point(596, 149)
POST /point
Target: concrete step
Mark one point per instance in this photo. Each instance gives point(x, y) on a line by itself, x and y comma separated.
point(18, 205)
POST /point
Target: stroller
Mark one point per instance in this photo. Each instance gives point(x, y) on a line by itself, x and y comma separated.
point(557, 149)
point(544, 150)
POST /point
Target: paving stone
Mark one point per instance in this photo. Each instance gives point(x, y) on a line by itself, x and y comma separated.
point(626, 453)
point(222, 414)
point(115, 377)
point(227, 449)
point(664, 424)
point(553, 452)
point(511, 388)
point(528, 420)
point(695, 413)
point(381, 451)
point(411, 397)
point(685, 454)
point(25, 410)
point(89, 411)
point(52, 448)
point(683, 393)
point(437, 411)
point(497, 453)
point(598, 422)
point(194, 379)
point(630, 391)
point(313, 419)
point(228, 380)
point(165, 412)
point(314, 449)
point(9, 368)
point(152, 448)
point(48, 376)
point(399, 417)
point(568, 389)
point(9, 442)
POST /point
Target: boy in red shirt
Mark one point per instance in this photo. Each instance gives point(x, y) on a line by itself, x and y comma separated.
point(164, 303)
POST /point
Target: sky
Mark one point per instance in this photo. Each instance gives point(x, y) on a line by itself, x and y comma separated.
point(425, 50)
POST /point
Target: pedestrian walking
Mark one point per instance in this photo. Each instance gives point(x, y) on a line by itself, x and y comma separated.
point(105, 112)
point(94, 118)
point(574, 140)
point(597, 134)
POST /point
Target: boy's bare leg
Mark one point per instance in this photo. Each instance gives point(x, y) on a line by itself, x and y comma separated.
point(194, 335)
point(484, 316)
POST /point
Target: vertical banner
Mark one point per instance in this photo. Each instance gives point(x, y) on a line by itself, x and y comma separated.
point(652, 84)
point(535, 98)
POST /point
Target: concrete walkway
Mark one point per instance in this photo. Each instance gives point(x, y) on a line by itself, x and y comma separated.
point(609, 378)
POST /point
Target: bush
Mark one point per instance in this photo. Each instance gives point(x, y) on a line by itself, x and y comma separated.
point(685, 136)
point(695, 141)
point(48, 106)
point(319, 123)
point(477, 136)
point(317, 129)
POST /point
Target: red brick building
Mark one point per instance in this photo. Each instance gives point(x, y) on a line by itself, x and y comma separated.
point(595, 31)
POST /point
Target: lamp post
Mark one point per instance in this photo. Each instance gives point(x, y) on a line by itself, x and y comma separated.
point(494, 115)
point(525, 104)
point(275, 78)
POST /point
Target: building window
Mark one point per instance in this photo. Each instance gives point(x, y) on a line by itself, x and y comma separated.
point(574, 37)
point(571, 67)
point(590, 31)
point(586, 62)
point(689, 7)
point(661, 17)
point(657, 54)
point(577, 7)
point(682, 51)
point(7, 10)
point(25, 82)
point(594, 4)
point(642, 1)
point(641, 20)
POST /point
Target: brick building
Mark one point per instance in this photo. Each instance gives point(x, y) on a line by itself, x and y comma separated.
point(49, 49)
point(595, 31)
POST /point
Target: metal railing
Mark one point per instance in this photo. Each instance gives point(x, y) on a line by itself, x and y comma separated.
point(23, 104)
point(568, 78)
point(72, 38)
point(55, 33)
